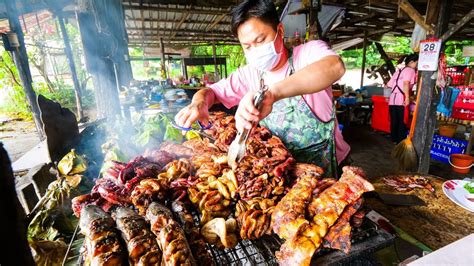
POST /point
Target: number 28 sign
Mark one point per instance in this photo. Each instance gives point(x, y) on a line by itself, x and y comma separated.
point(429, 55)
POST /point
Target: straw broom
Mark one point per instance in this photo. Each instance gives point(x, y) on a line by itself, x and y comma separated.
point(405, 152)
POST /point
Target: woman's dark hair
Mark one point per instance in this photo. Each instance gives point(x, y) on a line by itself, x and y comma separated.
point(408, 58)
point(262, 9)
point(411, 57)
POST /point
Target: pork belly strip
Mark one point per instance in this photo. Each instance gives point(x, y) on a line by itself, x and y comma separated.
point(325, 209)
point(289, 214)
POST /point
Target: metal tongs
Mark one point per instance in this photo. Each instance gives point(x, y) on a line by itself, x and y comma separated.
point(238, 147)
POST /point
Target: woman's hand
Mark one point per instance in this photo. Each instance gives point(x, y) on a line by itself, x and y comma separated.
point(247, 115)
point(197, 110)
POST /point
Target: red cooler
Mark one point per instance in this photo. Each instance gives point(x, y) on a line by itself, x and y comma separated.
point(380, 114)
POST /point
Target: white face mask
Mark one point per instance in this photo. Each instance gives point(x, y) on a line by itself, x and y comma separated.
point(263, 57)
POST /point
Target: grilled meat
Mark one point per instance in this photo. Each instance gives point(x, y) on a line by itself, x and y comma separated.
point(339, 236)
point(102, 245)
point(289, 215)
point(183, 215)
point(405, 183)
point(196, 242)
point(170, 236)
point(148, 191)
point(325, 210)
point(173, 149)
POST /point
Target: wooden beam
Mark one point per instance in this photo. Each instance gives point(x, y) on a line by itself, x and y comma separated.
point(163, 65)
point(458, 25)
point(384, 56)
point(182, 9)
point(415, 16)
point(186, 31)
point(432, 12)
point(216, 71)
point(214, 24)
point(364, 57)
point(20, 59)
point(183, 18)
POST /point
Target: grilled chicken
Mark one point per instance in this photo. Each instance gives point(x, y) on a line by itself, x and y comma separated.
point(170, 236)
point(139, 239)
point(102, 245)
point(289, 215)
point(325, 210)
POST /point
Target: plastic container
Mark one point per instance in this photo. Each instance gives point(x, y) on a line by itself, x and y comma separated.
point(461, 163)
point(447, 130)
point(380, 114)
point(463, 107)
point(442, 148)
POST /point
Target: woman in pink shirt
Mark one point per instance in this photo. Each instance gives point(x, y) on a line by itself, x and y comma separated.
point(401, 83)
point(298, 106)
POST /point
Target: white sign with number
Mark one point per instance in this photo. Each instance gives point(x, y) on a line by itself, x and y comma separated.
point(429, 55)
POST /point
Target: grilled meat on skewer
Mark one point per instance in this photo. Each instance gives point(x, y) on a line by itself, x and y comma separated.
point(139, 239)
point(170, 236)
point(102, 245)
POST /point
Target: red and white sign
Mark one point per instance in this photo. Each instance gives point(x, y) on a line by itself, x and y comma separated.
point(429, 55)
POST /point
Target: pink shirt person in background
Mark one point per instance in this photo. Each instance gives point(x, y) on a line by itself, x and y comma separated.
point(406, 74)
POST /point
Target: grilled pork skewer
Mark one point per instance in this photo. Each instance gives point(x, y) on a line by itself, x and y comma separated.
point(141, 243)
point(170, 236)
point(195, 240)
point(102, 245)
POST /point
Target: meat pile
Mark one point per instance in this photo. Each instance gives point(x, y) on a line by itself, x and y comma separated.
point(315, 210)
point(405, 183)
point(153, 198)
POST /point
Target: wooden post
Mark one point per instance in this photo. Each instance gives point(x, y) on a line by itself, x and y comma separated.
point(72, 67)
point(216, 69)
point(102, 52)
point(364, 53)
point(20, 58)
point(426, 118)
point(184, 69)
point(163, 65)
point(225, 69)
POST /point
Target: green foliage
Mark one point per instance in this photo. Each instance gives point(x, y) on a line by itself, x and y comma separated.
point(453, 52)
point(56, 89)
point(11, 89)
point(234, 54)
point(400, 45)
point(156, 129)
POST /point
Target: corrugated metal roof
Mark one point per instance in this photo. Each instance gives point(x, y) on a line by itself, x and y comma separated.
point(177, 24)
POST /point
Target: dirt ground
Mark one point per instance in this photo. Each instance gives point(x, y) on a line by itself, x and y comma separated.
point(17, 136)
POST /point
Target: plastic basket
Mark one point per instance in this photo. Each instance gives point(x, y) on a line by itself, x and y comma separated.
point(458, 74)
point(463, 107)
point(442, 147)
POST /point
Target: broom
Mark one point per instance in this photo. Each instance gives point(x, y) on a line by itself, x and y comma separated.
point(405, 152)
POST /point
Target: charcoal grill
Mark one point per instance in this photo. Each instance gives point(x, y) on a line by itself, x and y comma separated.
point(365, 241)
